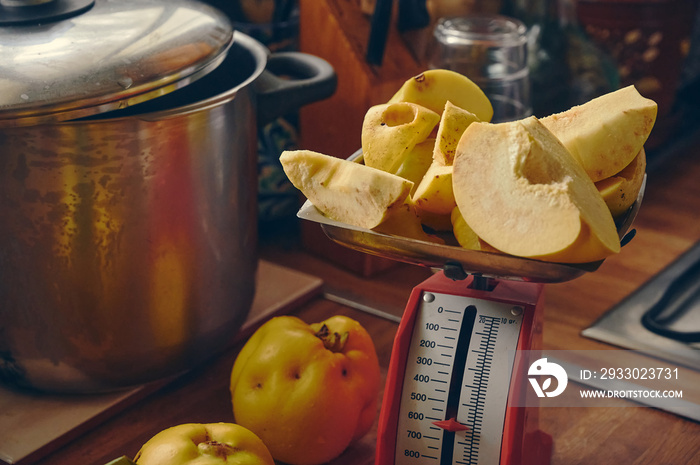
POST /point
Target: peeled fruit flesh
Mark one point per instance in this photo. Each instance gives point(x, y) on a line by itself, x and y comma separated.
point(434, 193)
point(391, 131)
point(404, 222)
point(465, 235)
point(620, 191)
point(433, 88)
point(344, 190)
point(523, 193)
point(417, 162)
point(453, 123)
point(606, 133)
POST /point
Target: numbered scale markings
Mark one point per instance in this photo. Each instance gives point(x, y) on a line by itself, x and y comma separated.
point(456, 381)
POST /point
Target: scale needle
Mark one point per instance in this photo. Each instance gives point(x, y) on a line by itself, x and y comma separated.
point(451, 425)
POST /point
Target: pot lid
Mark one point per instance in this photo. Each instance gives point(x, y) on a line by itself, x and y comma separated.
point(93, 56)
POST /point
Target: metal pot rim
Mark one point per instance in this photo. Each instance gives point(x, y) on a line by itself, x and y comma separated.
point(259, 53)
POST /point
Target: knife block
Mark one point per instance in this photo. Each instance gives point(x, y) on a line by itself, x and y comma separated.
point(338, 31)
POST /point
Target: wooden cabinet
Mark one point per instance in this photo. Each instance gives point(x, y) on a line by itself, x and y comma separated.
point(337, 31)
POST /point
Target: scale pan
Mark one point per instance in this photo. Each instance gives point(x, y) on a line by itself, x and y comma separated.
point(455, 260)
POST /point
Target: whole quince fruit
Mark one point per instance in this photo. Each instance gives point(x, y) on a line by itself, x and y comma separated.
point(308, 391)
point(204, 444)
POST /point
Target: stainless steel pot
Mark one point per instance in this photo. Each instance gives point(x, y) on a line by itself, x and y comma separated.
point(128, 238)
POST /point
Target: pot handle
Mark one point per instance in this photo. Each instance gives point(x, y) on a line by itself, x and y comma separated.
point(290, 81)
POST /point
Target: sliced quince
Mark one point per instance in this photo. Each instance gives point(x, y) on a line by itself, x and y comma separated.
point(452, 124)
point(345, 191)
point(433, 197)
point(391, 131)
point(606, 133)
point(417, 162)
point(620, 191)
point(434, 193)
point(465, 235)
point(403, 221)
point(523, 193)
point(433, 88)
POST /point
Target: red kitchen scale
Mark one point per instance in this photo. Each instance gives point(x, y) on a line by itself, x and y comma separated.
point(453, 376)
point(455, 385)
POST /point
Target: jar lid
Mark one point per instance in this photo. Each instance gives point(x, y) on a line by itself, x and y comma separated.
point(102, 56)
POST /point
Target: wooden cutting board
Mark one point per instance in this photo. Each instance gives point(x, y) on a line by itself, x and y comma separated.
point(34, 424)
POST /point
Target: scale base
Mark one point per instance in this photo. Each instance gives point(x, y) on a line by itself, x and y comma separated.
point(541, 445)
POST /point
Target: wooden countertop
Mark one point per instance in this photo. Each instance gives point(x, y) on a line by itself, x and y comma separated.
point(668, 224)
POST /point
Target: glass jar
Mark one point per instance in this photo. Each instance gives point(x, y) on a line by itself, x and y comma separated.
point(491, 50)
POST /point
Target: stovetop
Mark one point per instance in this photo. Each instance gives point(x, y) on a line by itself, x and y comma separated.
point(662, 317)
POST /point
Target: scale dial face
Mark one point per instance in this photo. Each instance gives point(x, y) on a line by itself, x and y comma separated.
point(456, 381)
